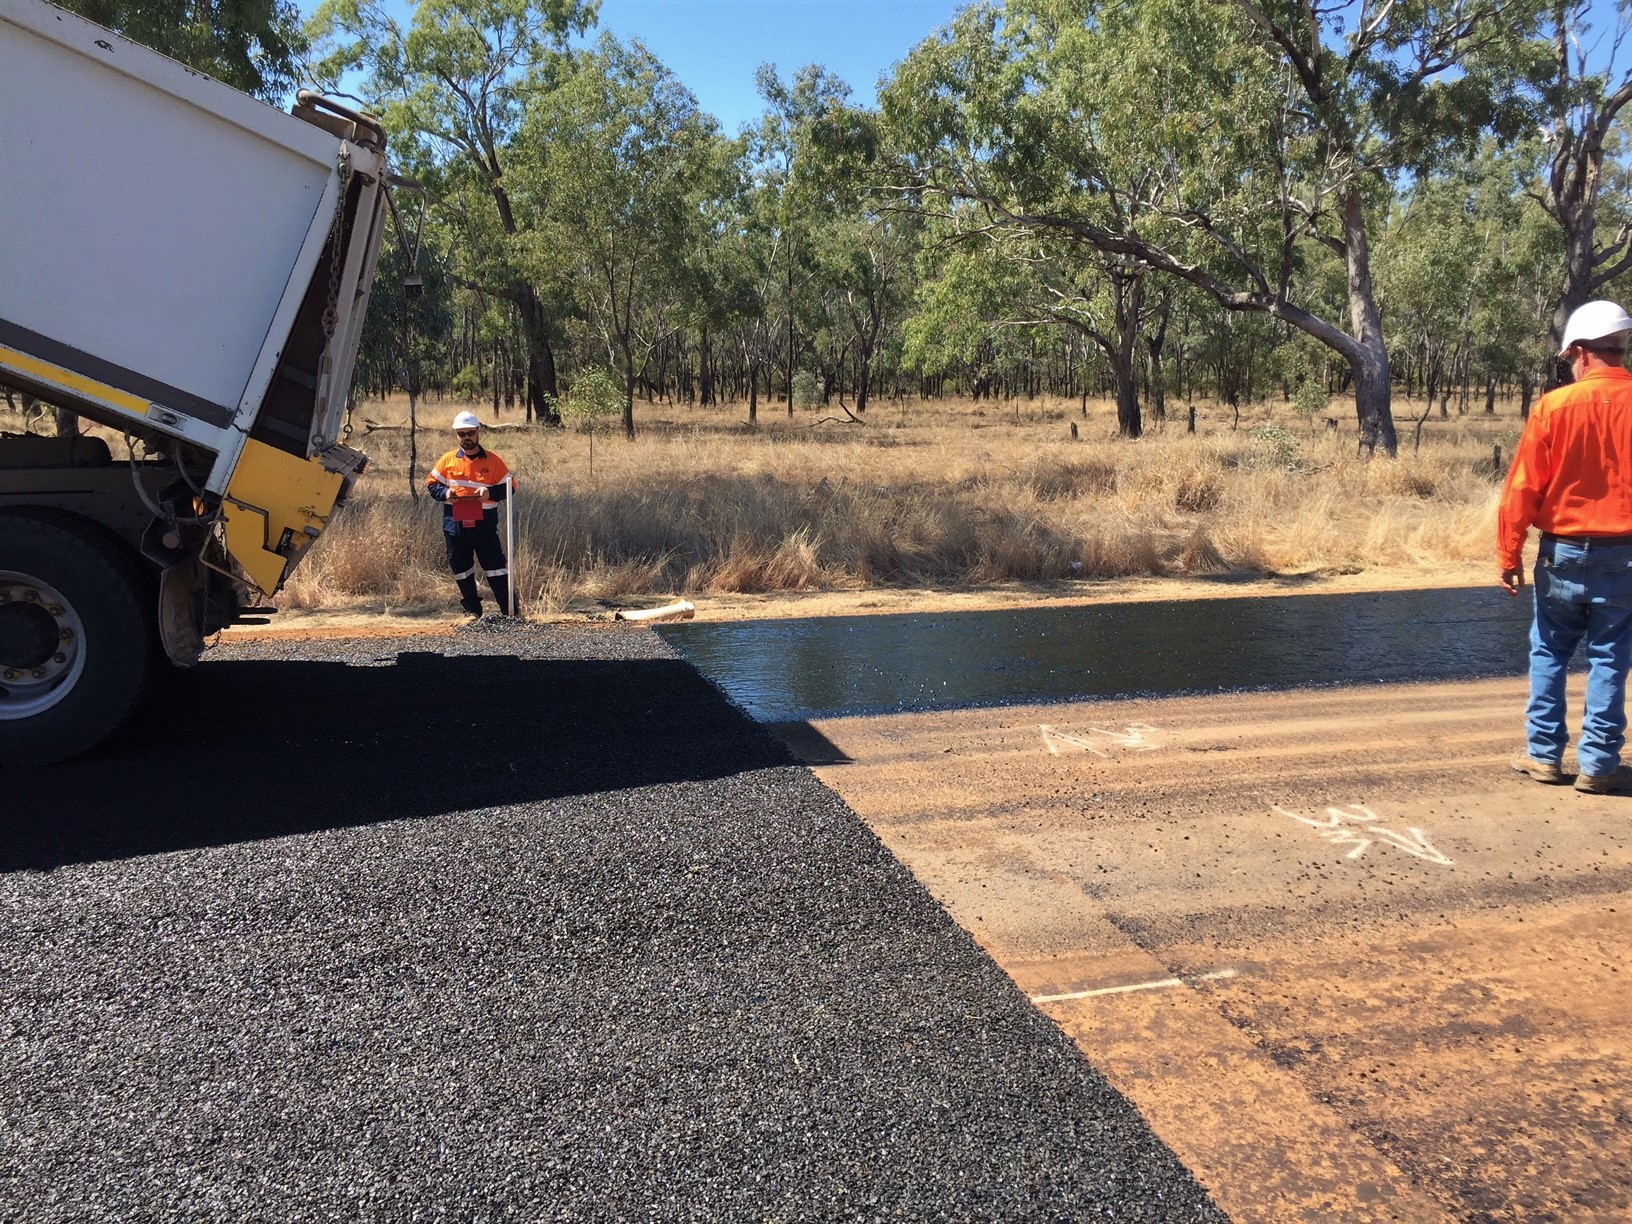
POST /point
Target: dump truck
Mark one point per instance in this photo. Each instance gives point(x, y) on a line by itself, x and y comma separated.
point(186, 270)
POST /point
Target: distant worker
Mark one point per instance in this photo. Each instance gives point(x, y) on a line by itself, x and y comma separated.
point(1572, 478)
point(470, 482)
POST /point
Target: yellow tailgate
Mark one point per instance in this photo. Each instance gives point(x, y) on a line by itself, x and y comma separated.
point(276, 506)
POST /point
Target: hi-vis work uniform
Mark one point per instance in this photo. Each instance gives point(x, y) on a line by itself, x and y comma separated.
point(470, 488)
point(1572, 478)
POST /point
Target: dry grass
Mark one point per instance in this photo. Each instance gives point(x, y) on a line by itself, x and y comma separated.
point(925, 494)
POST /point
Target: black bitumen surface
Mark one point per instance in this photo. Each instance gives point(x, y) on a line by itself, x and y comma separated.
point(519, 925)
point(813, 667)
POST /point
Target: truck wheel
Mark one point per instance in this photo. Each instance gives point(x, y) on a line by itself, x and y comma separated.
point(75, 637)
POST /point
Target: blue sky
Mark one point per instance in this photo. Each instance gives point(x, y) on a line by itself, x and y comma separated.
point(715, 46)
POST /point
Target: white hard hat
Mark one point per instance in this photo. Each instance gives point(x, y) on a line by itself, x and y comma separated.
point(1595, 321)
point(467, 420)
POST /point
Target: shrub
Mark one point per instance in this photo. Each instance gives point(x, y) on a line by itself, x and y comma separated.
point(807, 391)
point(1273, 447)
point(594, 394)
point(1310, 399)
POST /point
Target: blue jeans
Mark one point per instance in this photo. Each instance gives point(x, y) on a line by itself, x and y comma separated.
point(1583, 593)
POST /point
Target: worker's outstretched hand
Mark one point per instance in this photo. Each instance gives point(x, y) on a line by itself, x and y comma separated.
point(1513, 581)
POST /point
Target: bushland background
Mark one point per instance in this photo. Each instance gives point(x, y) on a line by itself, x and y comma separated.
point(1294, 271)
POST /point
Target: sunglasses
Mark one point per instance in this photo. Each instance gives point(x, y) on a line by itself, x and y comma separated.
point(465, 433)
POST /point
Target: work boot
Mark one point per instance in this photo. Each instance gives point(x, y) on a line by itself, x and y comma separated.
point(469, 598)
point(1617, 783)
point(1541, 771)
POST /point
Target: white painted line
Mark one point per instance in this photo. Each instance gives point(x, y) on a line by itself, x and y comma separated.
point(1163, 984)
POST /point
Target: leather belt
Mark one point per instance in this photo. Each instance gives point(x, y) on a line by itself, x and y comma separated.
point(1592, 541)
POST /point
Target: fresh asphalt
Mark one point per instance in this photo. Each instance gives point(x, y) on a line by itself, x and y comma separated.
point(519, 924)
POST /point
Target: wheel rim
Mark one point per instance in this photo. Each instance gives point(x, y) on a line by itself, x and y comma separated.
point(42, 646)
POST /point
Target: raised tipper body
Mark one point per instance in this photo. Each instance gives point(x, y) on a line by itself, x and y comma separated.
point(189, 269)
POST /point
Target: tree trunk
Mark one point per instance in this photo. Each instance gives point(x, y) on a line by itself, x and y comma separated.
point(1372, 382)
point(413, 441)
point(628, 395)
point(1129, 422)
point(542, 390)
point(790, 333)
point(1129, 294)
point(706, 372)
point(1371, 403)
point(496, 368)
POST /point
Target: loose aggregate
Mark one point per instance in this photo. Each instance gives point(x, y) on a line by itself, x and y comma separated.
point(522, 923)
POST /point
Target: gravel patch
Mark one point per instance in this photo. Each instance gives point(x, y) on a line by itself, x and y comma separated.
point(522, 923)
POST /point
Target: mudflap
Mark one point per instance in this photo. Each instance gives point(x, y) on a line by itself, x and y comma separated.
point(181, 611)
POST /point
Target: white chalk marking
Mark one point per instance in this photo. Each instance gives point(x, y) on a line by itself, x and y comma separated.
point(1131, 737)
point(1163, 984)
point(1357, 826)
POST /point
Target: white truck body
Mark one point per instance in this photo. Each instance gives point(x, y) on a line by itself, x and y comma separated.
point(159, 223)
point(190, 268)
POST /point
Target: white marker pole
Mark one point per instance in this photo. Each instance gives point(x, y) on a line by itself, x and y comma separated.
point(510, 536)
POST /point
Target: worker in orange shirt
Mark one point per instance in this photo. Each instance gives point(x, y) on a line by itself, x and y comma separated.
point(1572, 478)
point(470, 482)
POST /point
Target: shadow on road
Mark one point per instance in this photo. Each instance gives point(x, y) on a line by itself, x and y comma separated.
point(241, 750)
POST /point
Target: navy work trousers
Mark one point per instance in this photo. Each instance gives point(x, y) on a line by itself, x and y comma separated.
point(467, 546)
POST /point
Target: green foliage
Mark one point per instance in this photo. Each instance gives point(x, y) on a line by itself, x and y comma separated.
point(252, 45)
point(1310, 399)
point(1052, 195)
point(617, 158)
point(595, 395)
point(807, 390)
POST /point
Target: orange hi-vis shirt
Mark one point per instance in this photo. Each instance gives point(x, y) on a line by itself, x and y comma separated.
point(1572, 473)
point(468, 475)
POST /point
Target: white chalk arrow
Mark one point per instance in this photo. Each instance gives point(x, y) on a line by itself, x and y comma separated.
point(1357, 826)
point(1131, 738)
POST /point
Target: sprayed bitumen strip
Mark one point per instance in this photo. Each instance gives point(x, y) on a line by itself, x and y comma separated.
point(783, 671)
point(508, 926)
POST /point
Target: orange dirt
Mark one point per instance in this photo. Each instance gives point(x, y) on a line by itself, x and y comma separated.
point(1375, 974)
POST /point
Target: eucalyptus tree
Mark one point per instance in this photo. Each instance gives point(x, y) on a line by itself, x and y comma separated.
point(723, 267)
point(1235, 134)
point(252, 45)
point(1516, 266)
point(1429, 281)
point(1582, 95)
point(452, 87)
point(778, 145)
point(865, 261)
point(998, 280)
point(617, 157)
point(862, 255)
point(1005, 142)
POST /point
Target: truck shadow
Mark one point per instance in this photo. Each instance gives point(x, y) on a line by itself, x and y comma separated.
point(237, 751)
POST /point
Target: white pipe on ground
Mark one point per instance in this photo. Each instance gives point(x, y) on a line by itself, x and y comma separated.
point(679, 610)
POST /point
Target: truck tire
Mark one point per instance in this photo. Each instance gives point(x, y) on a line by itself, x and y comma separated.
point(76, 636)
